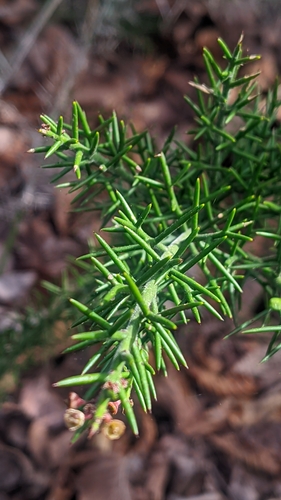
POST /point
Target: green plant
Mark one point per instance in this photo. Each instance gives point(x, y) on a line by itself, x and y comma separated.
point(170, 211)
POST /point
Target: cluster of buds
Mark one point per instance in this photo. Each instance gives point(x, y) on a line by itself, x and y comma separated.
point(79, 412)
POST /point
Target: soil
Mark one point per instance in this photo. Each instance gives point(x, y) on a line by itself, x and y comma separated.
point(214, 433)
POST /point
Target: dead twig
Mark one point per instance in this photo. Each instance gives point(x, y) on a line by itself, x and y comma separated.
point(27, 42)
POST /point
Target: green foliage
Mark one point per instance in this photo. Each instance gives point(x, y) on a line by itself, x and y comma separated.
point(29, 338)
point(170, 211)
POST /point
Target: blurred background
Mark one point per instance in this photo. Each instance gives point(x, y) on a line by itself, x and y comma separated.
point(215, 430)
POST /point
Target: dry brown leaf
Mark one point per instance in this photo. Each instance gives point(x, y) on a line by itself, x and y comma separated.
point(253, 455)
point(180, 405)
point(224, 384)
point(157, 476)
point(103, 478)
point(49, 440)
point(17, 11)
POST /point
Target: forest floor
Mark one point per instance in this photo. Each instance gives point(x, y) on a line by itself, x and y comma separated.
point(214, 433)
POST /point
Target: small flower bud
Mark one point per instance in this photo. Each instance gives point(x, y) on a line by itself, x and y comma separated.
point(45, 126)
point(113, 406)
point(124, 383)
point(74, 419)
point(89, 410)
point(74, 401)
point(107, 417)
point(111, 386)
point(114, 429)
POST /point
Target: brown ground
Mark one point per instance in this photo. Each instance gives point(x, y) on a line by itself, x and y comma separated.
point(215, 429)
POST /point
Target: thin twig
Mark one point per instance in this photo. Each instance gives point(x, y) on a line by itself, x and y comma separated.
point(4, 64)
point(28, 41)
point(78, 61)
point(90, 20)
point(164, 7)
